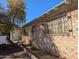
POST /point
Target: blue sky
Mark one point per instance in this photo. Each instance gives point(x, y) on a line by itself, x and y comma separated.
point(36, 8)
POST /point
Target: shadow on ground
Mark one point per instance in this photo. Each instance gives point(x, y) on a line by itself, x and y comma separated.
point(9, 49)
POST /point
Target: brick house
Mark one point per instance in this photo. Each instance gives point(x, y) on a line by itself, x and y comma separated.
point(62, 23)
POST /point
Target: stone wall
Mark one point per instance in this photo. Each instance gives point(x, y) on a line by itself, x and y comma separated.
point(68, 45)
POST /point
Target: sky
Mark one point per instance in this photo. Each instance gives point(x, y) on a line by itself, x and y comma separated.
point(35, 8)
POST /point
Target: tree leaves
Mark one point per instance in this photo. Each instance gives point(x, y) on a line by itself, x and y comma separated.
point(5, 23)
point(17, 9)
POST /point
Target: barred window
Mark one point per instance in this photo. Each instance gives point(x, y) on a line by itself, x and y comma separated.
point(50, 26)
point(59, 25)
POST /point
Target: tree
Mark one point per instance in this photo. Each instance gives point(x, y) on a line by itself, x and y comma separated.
point(5, 23)
point(16, 9)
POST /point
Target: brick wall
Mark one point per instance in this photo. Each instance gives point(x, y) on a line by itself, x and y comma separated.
point(67, 45)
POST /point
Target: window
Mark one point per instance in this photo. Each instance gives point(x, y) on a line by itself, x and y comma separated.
point(59, 25)
point(50, 27)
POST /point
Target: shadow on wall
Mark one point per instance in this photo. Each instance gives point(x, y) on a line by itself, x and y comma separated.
point(42, 40)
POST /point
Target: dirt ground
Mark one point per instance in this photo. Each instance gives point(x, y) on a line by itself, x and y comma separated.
point(17, 52)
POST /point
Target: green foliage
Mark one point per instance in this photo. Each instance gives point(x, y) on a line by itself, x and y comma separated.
point(5, 28)
point(5, 23)
point(17, 9)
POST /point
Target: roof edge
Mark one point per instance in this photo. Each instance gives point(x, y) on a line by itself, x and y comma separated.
point(44, 13)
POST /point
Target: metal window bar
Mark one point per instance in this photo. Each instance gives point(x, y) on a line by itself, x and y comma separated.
point(64, 18)
point(63, 25)
point(55, 26)
point(67, 25)
point(49, 27)
point(71, 27)
point(52, 26)
point(60, 26)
